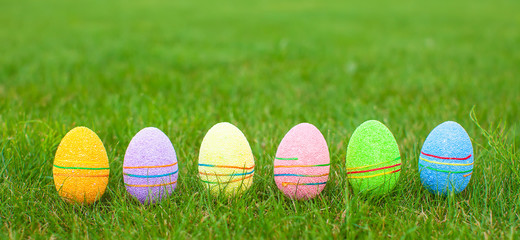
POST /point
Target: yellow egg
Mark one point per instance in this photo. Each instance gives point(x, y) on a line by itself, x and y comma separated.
point(81, 168)
point(226, 163)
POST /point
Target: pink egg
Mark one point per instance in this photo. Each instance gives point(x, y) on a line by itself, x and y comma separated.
point(302, 162)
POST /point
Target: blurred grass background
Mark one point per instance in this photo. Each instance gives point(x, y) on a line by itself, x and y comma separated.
point(182, 66)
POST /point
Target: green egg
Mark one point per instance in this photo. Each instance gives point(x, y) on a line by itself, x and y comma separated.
point(373, 159)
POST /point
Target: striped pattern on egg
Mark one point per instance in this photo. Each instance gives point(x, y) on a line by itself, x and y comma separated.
point(226, 163)
point(150, 168)
point(373, 160)
point(446, 160)
point(80, 168)
point(375, 170)
point(302, 162)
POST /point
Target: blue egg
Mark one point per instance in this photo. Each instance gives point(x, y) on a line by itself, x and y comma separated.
point(446, 160)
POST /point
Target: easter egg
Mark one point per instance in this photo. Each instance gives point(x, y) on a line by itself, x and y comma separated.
point(150, 167)
point(81, 168)
point(302, 162)
point(226, 163)
point(446, 159)
point(373, 159)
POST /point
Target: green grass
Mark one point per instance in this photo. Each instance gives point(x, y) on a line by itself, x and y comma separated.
point(183, 66)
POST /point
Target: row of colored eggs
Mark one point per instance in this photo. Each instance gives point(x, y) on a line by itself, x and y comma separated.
point(226, 163)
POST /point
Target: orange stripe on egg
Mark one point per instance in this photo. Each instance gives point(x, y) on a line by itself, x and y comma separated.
point(160, 166)
point(224, 166)
point(72, 175)
point(150, 185)
point(236, 180)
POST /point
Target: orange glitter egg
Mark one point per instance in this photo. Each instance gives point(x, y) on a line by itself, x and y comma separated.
point(81, 167)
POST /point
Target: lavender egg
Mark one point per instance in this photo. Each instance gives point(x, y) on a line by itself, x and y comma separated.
point(150, 169)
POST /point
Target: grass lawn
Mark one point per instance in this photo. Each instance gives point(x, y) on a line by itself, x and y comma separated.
point(183, 66)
